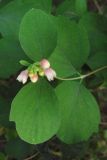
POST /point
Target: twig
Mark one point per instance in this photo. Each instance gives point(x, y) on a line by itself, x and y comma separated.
point(103, 123)
point(95, 71)
point(98, 7)
point(31, 157)
point(3, 141)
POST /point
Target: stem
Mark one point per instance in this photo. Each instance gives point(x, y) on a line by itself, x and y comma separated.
point(31, 157)
point(4, 83)
point(103, 123)
point(82, 76)
point(93, 72)
point(98, 7)
point(69, 79)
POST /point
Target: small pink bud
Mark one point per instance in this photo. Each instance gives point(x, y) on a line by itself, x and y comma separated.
point(23, 76)
point(34, 78)
point(50, 74)
point(45, 64)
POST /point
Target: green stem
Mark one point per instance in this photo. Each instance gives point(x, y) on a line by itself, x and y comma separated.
point(93, 72)
point(69, 79)
point(82, 76)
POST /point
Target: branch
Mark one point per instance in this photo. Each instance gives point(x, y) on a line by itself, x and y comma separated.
point(98, 7)
point(82, 76)
point(31, 157)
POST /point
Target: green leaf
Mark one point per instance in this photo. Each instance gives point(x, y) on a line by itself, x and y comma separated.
point(10, 55)
point(95, 82)
point(66, 6)
point(61, 64)
point(98, 60)
point(79, 111)
point(81, 6)
point(3, 3)
point(45, 5)
point(96, 26)
point(38, 35)
point(73, 7)
point(18, 149)
point(36, 113)
point(2, 156)
point(72, 47)
point(12, 13)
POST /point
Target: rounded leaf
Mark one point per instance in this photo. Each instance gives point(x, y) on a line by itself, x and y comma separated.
point(79, 111)
point(36, 113)
point(38, 35)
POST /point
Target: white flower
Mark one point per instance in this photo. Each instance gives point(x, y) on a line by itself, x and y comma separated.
point(50, 74)
point(23, 76)
point(34, 78)
point(45, 64)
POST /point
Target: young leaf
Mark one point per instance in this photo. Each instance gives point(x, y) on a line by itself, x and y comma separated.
point(35, 112)
point(79, 111)
point(38, 35)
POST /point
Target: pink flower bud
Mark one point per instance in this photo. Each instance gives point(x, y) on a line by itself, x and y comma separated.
point(50, 74)
point(45, 64)
point(34, 78)
point(23, 76)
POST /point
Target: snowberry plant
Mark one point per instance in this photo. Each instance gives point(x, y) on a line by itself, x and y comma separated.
point(60, 55)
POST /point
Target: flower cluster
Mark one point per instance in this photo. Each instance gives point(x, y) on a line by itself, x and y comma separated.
point(35, 70)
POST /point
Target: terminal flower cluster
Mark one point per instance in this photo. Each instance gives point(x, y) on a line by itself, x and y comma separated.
point(42, 68)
